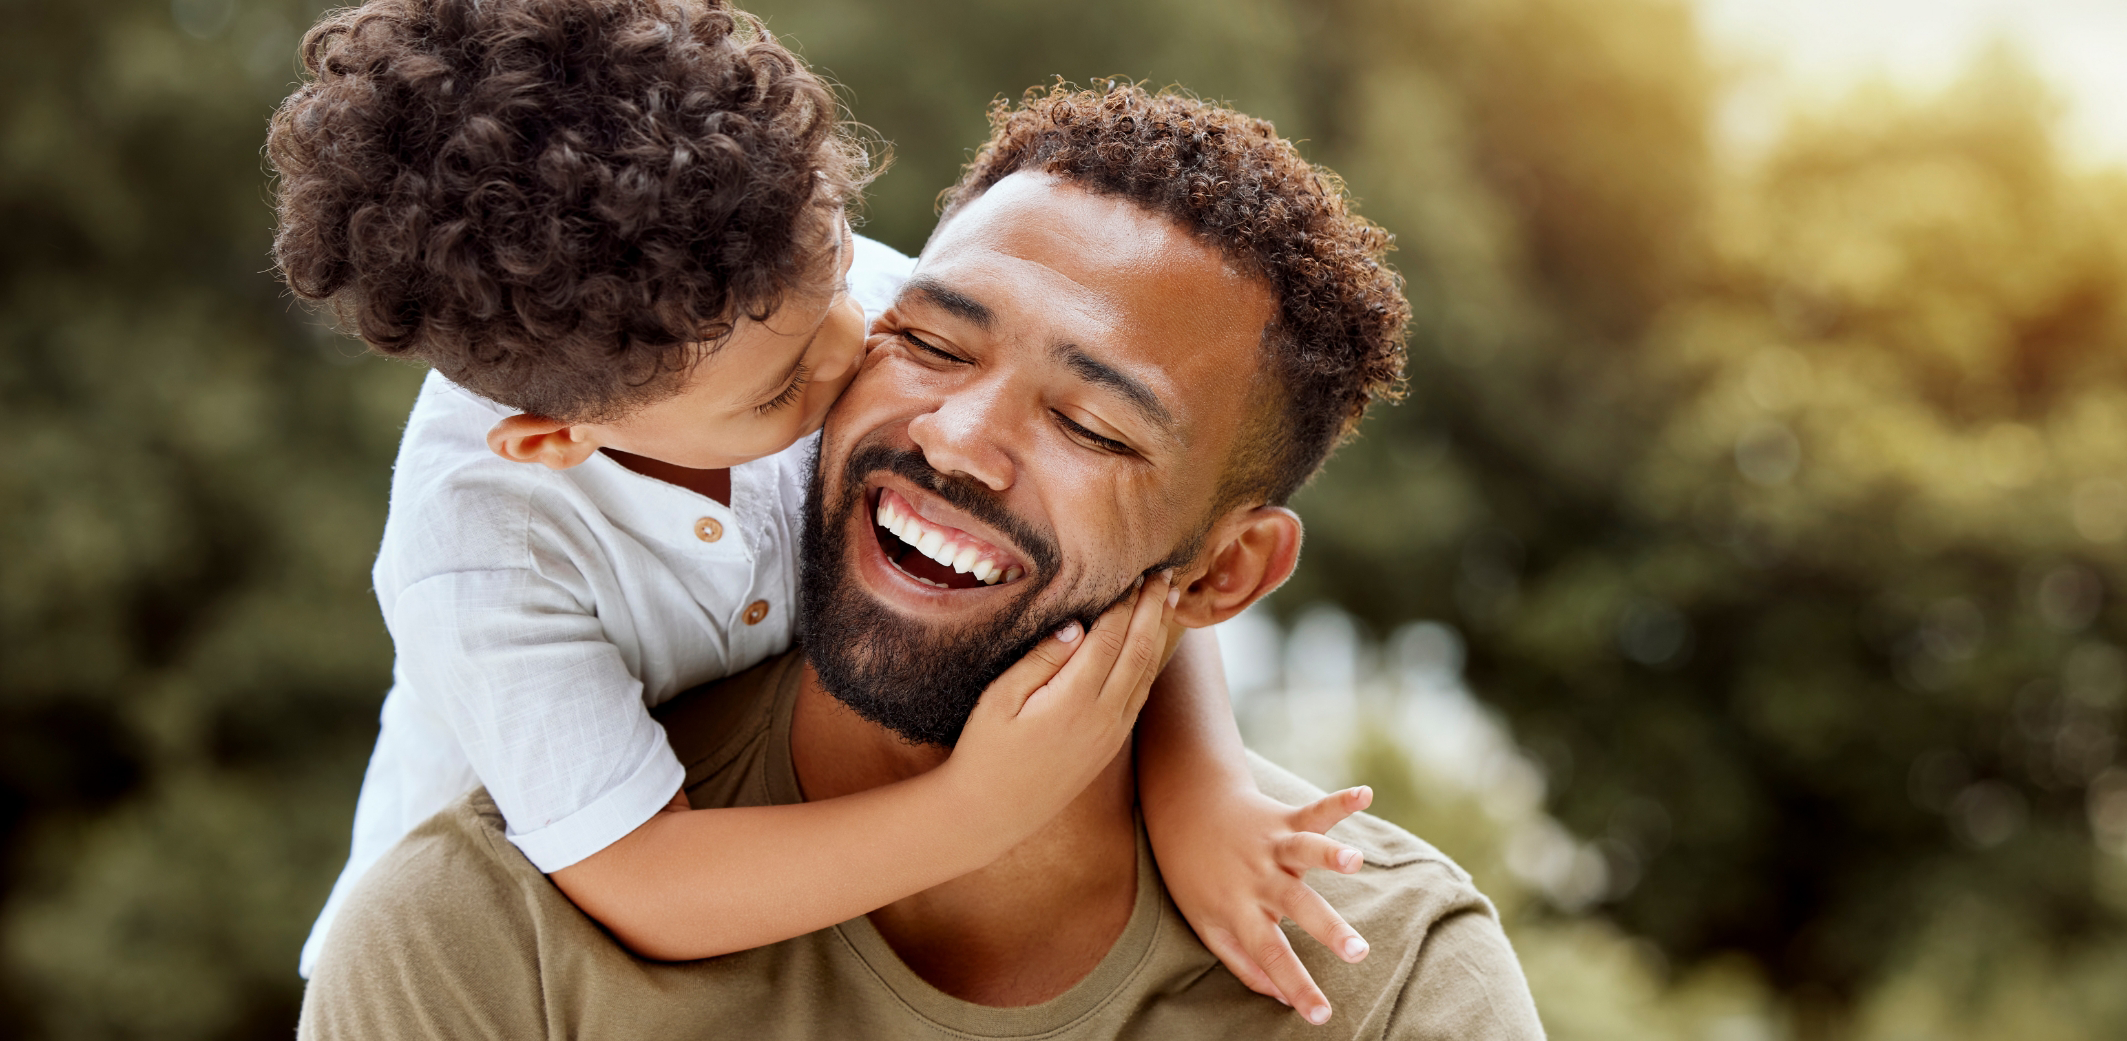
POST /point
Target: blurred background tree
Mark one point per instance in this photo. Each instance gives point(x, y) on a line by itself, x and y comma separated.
point(1777, 498)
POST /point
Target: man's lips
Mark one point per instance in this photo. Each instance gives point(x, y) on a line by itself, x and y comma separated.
point(937, 554)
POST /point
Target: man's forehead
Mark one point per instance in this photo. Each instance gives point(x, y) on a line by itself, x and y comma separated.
point(1048, 258)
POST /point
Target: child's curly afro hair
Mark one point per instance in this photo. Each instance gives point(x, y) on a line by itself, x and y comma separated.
point(558, 204)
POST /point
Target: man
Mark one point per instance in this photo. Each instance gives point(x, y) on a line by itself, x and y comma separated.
point(1142, 323)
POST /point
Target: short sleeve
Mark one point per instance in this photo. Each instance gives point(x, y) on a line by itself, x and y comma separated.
point(548, 713)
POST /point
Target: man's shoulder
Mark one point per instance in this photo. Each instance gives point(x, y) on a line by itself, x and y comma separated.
point(1440, 965)
point(450, 873)
point(1385, 845)
point(453, 884)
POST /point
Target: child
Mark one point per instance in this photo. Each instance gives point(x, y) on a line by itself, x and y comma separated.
point(614, 229)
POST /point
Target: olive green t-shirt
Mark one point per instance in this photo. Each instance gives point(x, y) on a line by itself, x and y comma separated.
point(455, 935)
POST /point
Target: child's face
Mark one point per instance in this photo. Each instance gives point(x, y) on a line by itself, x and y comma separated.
point(770, 383)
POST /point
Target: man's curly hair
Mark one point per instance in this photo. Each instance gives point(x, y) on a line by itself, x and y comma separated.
point(1337, 343)
point(558, 204)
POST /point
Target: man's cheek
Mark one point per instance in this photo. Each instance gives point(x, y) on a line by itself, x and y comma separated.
point(1129, 534)
point(888, 388)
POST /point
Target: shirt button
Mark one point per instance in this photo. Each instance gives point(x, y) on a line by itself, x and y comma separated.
point(756, 611)
point(708, 529)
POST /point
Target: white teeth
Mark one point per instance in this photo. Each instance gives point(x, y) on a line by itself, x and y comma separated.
point(909, 528)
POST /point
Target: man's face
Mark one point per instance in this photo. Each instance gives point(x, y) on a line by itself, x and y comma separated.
point(1049, 404)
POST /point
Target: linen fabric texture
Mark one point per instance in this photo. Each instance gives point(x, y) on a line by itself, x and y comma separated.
point(455, 934)
point(537, 615)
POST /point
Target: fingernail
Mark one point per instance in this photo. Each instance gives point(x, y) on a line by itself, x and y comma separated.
point(1348, 860)
point(1174, 595)
point(1168, 574)
point(1318, 1015)
point(1354, 948)
point(1068, 634)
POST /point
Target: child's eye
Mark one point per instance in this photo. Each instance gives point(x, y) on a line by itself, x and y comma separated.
point(798, 379)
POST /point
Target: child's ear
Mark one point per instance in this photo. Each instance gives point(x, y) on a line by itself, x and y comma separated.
point(526, 438)
point(1251, 553)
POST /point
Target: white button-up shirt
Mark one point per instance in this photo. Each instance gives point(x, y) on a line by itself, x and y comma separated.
point(539, 614)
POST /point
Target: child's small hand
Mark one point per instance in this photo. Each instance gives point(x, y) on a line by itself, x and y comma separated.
point(1234, 864)
point(1056, 719)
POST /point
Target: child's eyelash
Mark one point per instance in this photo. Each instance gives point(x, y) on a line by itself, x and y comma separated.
point(798, 379)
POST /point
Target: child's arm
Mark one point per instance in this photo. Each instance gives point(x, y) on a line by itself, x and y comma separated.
point(697, 883)
point(1231, 856)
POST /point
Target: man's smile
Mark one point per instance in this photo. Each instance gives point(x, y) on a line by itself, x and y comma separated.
point(929, 542)
point(937, 554)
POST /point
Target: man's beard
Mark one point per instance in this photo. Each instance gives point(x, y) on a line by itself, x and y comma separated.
point(899, 673)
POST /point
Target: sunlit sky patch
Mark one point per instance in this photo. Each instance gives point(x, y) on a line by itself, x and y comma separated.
point(1816, 48)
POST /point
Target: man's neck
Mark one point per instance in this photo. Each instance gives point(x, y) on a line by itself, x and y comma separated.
point(1023, 929)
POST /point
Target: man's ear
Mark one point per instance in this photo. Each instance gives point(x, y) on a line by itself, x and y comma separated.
point(526, 438)
point(1252, 552)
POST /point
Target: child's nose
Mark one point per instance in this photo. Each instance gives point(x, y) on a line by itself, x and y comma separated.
point(844, 337)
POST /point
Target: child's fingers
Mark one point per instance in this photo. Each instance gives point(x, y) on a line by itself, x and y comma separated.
point(1324, 813)
point(1093, 658)
point(1316, 918)
point(1307, 851)
point(1274, 953)
point(1228, 949)
point(1139, 663)
point(1030, 673)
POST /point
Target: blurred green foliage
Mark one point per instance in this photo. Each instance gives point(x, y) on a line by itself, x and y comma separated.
point(1778, 497)
point(193, 662)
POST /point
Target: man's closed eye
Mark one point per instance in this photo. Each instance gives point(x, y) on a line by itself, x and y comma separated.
point(1105, 444)
point(917, 342)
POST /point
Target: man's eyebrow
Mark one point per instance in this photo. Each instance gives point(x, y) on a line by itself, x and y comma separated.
point(955, 302)
point(1093, 370)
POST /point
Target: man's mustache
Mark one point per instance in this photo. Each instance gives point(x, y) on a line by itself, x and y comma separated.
point(963, 493)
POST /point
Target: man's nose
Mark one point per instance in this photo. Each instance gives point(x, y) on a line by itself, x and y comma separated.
point(964, 434)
